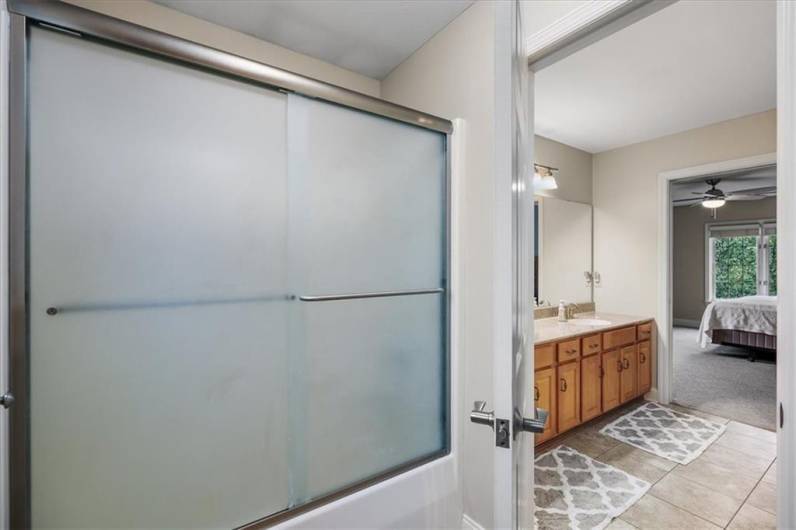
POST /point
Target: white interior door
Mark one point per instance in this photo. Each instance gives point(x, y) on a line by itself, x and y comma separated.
point(513, 363)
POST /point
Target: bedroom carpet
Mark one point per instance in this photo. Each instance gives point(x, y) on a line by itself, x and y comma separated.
point(720, 380)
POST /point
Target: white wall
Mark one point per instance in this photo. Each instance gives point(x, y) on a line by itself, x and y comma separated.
point(452, 76)
point(161, 18)
point(626, 202)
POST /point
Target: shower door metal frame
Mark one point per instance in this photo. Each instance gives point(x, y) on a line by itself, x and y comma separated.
point(108, 30)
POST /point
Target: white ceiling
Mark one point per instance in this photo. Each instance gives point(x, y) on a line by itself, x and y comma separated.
point(686, 66)
point(370, 37)
point(734, 182)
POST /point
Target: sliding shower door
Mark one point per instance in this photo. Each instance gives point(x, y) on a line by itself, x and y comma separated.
point(237, 298)
point(367, 245)
point(158, 292)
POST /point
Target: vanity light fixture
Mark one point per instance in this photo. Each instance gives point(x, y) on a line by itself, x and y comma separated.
point(544, 177)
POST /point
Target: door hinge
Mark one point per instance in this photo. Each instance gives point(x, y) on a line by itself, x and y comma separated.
point(781, 415)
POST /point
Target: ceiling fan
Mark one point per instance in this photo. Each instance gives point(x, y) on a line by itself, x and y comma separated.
point(713, 197)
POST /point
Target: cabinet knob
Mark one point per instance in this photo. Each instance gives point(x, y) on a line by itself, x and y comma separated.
point(536, 393)
point(563, 385)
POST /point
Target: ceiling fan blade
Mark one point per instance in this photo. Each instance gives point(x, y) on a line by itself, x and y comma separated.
point(698, 199)
point(752, 191)
point(745, 197)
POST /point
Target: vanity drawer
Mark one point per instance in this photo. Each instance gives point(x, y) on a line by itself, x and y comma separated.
point(619, 337)
point(544, 356)
point(592, 344)
point(644, 331)
point(568, 350)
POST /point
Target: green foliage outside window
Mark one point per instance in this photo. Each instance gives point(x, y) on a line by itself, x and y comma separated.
point(735, 266)
point(772, 265)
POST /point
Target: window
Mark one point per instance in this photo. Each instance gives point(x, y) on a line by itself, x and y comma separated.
point(741, 259)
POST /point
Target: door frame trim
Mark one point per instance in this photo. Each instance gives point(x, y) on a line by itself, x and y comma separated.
point(664, 387)
point(18, 365)
point(786, 260)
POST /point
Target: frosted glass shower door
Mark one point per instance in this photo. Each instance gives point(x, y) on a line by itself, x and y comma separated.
point(158, 292)
point(368, 359)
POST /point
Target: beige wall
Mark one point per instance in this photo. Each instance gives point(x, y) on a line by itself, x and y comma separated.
point(689, 249)
point(155, 16)
point(575, 169)
point(625, 190)
point(452, 76)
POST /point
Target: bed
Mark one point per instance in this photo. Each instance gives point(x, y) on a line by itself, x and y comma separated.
point(749, 321)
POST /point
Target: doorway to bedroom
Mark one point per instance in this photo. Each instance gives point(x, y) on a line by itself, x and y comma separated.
point(724, 287)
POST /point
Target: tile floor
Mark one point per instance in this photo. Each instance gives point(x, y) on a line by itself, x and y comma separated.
point(731, 485)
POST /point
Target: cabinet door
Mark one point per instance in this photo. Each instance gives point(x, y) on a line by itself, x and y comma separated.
point(612, 370)
point(644, 367)
point(544, 394)
point(629, 373)
point(591, 392)
point(568, 396)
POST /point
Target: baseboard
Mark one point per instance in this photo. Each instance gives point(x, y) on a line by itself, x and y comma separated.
point(468, 523)
point(686, 323)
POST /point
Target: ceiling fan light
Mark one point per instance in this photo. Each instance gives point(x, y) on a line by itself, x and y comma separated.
point(716, 202)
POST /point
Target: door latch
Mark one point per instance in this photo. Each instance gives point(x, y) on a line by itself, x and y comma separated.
point(499, 425)
point(502, 427)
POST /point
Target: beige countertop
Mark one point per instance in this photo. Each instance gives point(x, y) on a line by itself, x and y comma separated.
point(550, 329)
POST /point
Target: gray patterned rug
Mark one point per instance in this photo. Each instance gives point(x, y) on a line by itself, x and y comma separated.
point(574, 491)
point(664, 432)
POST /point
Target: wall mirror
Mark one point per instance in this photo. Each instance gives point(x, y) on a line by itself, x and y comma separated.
point(562, 251)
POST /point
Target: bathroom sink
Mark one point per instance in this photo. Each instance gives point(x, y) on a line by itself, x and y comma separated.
point(590, 322)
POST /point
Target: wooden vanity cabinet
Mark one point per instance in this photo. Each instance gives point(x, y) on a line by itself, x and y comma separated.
point(568, 396)
point(579, 378)
point(644, 367)
point(612, 370)
point(591, 387)
point(545, 393)
point(629, 373)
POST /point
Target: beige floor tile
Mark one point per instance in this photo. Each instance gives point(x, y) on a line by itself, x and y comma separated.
point(764, 496)
point(731, 482)
point(651, 512)
point(771, 475)
point(747, 445)
point(755, 432)
point(751, 518)
point(697, 499)
point(699, 413)
point(619, 524)
point(590, 442)
point(638, 463)
point(736, 460)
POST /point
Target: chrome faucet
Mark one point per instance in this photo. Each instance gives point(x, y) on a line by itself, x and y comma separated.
point(571, 308)
point(566, 310)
